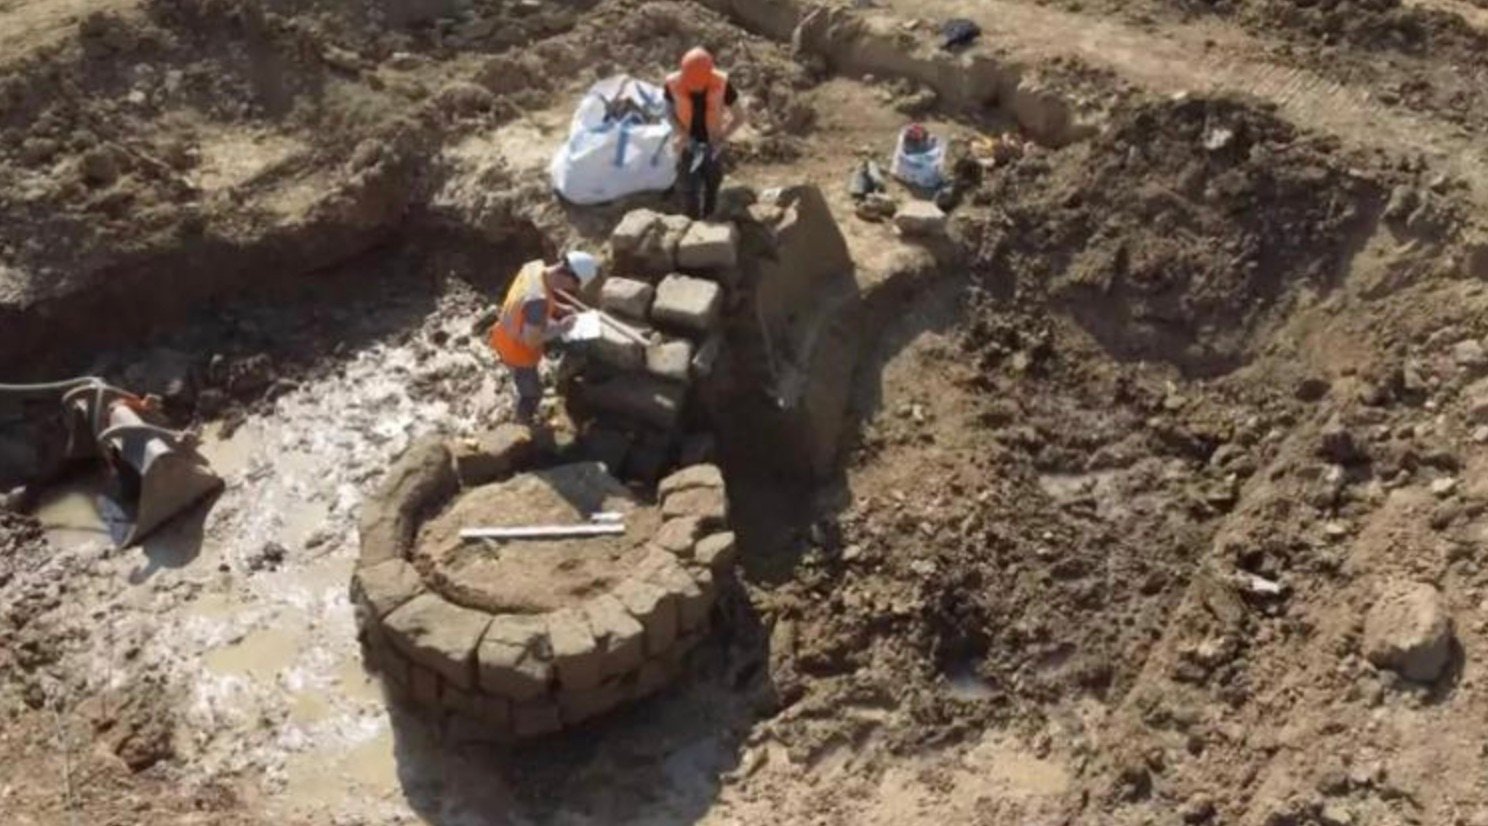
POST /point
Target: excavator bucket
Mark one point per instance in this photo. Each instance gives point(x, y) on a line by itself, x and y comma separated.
point(157, 480)
point(157, 472)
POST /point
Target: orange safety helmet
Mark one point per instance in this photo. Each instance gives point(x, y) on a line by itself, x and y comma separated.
point(697, 68)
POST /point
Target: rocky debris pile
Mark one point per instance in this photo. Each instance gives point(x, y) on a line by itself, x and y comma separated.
point(1147, 234)
point(673, 278)
point(516, 674)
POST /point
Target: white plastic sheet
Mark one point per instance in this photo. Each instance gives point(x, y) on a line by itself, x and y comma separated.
point(919, 169)
point(604, 158)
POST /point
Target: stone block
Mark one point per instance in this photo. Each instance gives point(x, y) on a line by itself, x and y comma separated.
point(577, 657)
point(616, 349)
point(709, 245)
point(620, 635)
point(536, 717)
point(646, 399)
point(688, 303)
point(577, 706)
point(495, 455)
point(488, 710)
point(515, 657)
point(919, 219)
point(677, 536)
point(716, 552)
point(693, 601)
point(653, 676)
point(439, 635)
point(695, 476)
point(423, 476)
point(670, 359)
point(654, 608)
point(386, 586)
point(708, 505)
point(423, 686)
point(627, 297)
point(633, 230)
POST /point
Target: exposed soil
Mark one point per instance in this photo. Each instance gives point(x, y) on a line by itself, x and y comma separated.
point(533, 576)
point(1137, 448)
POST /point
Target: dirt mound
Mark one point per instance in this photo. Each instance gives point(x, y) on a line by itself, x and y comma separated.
point(1175, 236)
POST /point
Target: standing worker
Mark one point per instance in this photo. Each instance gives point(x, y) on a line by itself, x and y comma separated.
point(705, 114)
point(530, 318)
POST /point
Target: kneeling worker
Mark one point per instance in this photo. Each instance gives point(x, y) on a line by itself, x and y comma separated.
point(530, 318)
point(705, 114)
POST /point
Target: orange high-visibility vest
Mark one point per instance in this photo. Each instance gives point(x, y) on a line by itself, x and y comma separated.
point(682, 101)
point(506, 333)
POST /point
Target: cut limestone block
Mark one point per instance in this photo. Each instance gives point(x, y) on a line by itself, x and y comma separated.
point(645, 398)
point(535, 717)
point(715, 552)
point(693, 601)
point(920, 218)
point(709, 245)
point(386, 586)
point(621, 635)
point(627, 297)
point(678, 535)
point(655, 609)
point(515, 657)
point(577, 656)
point(690, 303)
point(493, 455)
point(618, 350)
point(632, 232)
point(423, 686)
point(709, 505)
point(670, 359)
point(578, 706)
point(696, 476)
point(494, 711)
point(439, 635)
point(422, 475)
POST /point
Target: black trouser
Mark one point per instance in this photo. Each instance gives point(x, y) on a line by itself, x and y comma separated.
point(700, 188)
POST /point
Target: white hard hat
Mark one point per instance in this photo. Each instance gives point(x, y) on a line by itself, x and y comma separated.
point(583, 265)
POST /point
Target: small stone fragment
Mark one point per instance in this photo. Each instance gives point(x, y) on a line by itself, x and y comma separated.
point(678, 535)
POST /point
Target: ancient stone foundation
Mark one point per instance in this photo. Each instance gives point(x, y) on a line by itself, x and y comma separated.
point(528, 637)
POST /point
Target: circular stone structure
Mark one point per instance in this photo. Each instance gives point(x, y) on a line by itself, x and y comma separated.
point(529, 637)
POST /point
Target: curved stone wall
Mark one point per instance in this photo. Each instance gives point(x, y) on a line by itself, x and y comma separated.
point(520, 676)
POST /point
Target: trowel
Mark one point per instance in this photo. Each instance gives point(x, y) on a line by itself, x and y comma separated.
point(157, 472)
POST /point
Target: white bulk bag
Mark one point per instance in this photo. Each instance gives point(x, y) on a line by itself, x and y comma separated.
point(919, 169)
point(604, 159)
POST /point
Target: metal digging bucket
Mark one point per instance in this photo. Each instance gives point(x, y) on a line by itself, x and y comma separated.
point(157, 472)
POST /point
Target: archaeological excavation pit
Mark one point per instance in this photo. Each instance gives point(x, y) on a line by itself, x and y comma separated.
point(526, 638)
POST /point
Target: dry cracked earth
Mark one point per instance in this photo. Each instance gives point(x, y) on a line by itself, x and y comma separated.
point(1164, 497)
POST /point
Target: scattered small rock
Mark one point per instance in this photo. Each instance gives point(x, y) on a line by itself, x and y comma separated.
point(1336, 443)
point(268, 558)
point(1443, 487)
point(1469, 354)
point(1311, 389)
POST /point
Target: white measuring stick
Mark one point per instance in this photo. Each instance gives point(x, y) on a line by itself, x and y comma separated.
point(544, 531)
point(606, 516)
